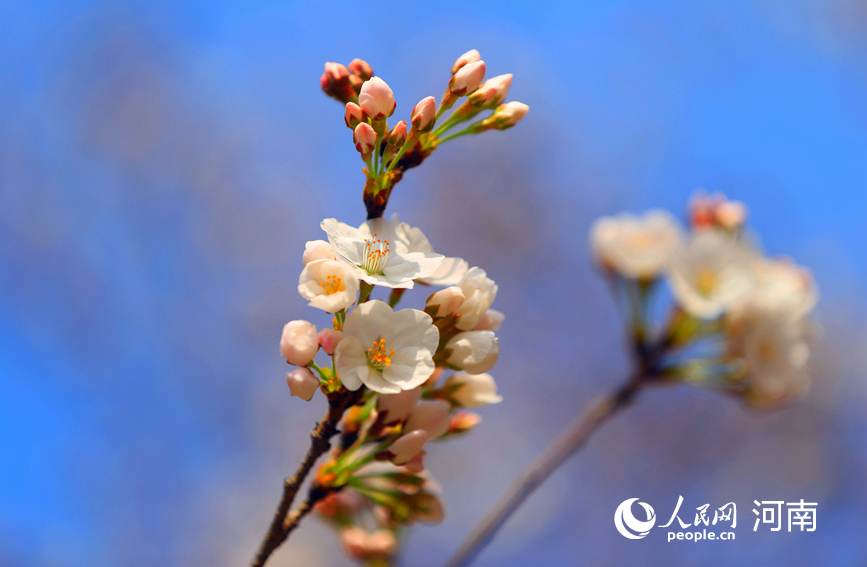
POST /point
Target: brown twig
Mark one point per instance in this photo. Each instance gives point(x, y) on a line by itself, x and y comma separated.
point(596, 413)
point(320, 442)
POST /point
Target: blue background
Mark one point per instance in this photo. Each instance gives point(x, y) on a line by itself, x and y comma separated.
point(163, 163)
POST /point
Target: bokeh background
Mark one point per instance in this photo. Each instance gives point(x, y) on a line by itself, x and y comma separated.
point(162, 164)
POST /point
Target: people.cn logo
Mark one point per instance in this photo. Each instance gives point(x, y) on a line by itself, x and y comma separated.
point(630, 526)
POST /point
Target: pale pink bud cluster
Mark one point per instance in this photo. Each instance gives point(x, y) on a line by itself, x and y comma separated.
point(361, 68)
point(302, 383)
point(364, 138)
point(707, 211)
point(424, 114)
point(299, 342)
point(376, 99)
point(335, 82)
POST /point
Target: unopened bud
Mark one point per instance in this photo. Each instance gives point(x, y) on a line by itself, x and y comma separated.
point(364, 137)
point(299, 342)
point(398, 135)
point(476, 352)
point(470, 56)
point(463, 421)
point(394, 408)
point(329, 339)
point(376, 98)
point(502, 84)
point(445, 302)
point(506, 115)
point(467, 79)
point(490, 321)
point(302, 383)
point(361, 68)
point(335, 82)
point(353, 115)
point(432, 416)
point(405, 448)
point(424, 114)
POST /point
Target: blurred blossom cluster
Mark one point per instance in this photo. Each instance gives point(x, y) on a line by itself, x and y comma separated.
point(405, 376)
point(740, 321)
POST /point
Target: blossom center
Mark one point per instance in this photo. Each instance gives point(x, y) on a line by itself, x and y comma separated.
point(378, 355)
point(332, 285)
point(375, 255)
point(706, 281)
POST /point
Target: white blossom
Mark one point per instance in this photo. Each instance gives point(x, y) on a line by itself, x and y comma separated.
point(329, 285)
point(636, 246)
point(712, 273)
point(318, 250)
point(386, 253)
point(386, 351)
point(782, 287)
point(450, 272)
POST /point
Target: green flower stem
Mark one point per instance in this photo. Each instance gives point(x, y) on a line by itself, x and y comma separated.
point(364, 291)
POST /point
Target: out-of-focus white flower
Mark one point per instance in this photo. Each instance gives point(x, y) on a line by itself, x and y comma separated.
point(427, 508)
point(424, 114)
point(386, 351)
point(431, 416)
point(318, 250)
point(329, 285)
point(299, 342)
point(329, 339)
point(395, 408)
point(444, 302)
point(712, 273)
point(475, 352)
point(450, 272)
point(366, 546)
point(635, 246)
point(376, 99)
point(479, 293)
point(302, 383)
point(386, 253)
point(408, 446)
point(776, 350)
point(473, 390)
point(470, 56)
point(468, 78)
point(491, 321)
point(782, 287)
point(364, 137)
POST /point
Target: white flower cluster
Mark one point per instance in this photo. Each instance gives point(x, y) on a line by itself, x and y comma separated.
point(727, 293)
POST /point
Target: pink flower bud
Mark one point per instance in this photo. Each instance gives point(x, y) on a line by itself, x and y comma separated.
point(731, 215)
point(502, 84)
point(470, 56)
point(490, 321)
point(366, 546)
point(302, 383)
point(318, 250)
point(336, 71)
point(428, 508)
point(424, 114)
point(394, 408)
point(364, 137)
point(353, 115)
point(445, 302)
point(463, 421)
point(361, 68)
point(335, 82)
point(468, 78)
point(376, 99)
point(299, 342)
point(328, 339)
point(408, 446)
point(432, 416)
point(507, 115)
point(398, 135)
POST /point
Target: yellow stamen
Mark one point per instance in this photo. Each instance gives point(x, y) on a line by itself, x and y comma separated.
point(378, 356)
point(332, 285)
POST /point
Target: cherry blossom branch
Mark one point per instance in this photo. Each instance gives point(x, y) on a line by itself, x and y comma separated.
point(566, 445)
point(320, 442)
